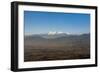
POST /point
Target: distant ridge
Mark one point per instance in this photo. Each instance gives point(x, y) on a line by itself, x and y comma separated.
point(55, 35)
point(58, 39)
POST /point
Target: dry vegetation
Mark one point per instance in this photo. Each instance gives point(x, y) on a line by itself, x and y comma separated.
point(56, 49)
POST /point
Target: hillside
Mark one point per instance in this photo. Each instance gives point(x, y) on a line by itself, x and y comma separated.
point(56, 45)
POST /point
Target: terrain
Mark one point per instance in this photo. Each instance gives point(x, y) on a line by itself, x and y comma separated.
point(44, 47)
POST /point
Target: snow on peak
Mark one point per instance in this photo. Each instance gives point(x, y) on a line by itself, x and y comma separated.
point(54, 32)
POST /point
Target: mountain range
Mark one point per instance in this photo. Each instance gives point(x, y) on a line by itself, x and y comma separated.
point(55, 35)
point(57, 39)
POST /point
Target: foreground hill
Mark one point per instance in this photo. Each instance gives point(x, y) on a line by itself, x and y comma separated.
point(56, 47)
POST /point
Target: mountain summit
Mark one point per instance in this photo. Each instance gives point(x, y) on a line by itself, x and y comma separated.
point(52, 35)
point(55, 33)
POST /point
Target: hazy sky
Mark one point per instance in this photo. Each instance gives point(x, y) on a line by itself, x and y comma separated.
point(44, 22)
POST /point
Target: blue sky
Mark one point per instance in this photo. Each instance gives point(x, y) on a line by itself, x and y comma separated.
point(43, 22)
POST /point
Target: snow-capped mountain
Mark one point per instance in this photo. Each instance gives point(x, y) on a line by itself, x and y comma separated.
point(52, 35)
point(55, 33)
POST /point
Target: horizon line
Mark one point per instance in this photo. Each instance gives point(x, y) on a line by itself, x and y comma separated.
point(57, 33)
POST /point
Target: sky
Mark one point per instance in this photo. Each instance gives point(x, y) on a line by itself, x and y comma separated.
point(36, 22)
